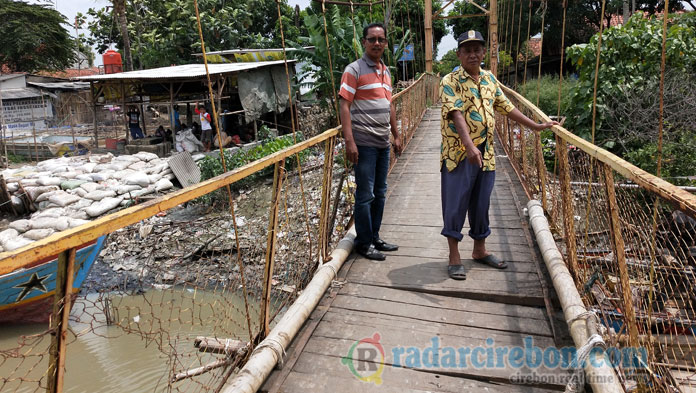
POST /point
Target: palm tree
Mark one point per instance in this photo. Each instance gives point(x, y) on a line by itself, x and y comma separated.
point(120, 10)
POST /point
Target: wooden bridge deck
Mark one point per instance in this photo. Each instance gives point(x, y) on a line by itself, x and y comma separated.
point(408, 299)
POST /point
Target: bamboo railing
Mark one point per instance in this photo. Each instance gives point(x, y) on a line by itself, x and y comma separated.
point(228, 286)
point(628, 240)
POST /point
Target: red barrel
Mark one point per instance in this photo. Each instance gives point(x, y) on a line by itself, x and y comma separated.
point(112, 62)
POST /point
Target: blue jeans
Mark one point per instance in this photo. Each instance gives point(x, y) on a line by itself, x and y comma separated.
point(136, 132)
point(371, 192)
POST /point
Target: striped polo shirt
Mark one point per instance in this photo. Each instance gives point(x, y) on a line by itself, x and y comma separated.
point(367, 85)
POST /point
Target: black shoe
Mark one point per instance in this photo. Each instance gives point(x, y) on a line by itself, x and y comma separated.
point(369, 252)
point(381, 245)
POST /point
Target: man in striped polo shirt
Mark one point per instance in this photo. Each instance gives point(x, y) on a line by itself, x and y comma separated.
point(367, 117)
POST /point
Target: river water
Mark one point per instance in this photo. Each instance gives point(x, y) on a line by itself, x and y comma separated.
point(132, 355)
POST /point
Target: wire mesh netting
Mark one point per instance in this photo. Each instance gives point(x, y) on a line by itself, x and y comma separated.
point(630, 248)
point(177, 300)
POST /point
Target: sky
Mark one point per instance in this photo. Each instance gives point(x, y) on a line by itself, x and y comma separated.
point(70, 8)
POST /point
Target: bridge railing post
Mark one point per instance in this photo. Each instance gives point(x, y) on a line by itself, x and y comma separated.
point(619, 249)
point(324, 214)
point(278, 174)
point(567, 203)
point(541, 170)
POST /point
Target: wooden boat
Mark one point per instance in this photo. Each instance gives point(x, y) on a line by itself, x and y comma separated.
point(27, 294)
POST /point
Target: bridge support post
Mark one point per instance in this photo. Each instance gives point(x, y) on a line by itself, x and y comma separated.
point(620, 256)
point(271, 246)
point(59, 320)
point(324, 214)
point(541, 169)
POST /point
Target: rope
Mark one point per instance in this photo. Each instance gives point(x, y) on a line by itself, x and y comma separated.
point(560, 82)
point(224, 167)
point(576, 381)
point(277, 348)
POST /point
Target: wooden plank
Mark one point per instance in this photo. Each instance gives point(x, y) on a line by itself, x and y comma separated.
point(443, 303)
point(339, 348)
point(465, 318)
point(497, 237)
point(512, 291)
point(394, 379)
point(510, 254)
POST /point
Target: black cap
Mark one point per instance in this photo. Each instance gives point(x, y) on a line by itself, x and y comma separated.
point(469, 36)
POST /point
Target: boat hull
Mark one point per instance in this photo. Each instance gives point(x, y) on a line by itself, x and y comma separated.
point(27, 294)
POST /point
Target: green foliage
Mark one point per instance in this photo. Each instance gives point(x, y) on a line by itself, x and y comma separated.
point(630, 58)
point(447, 63)
point(33, 38)
point(548, 93)
point(212, 166)
point(165, 32)
point(679, 158)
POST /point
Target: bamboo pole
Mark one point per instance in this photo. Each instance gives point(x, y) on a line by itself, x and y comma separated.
point(59, 320)
point(681, 199)
point(620, 256)
point(269, 351)
point(567, 201)
point(602, 378)
point(324, 215)
point(271, 246)
point(541, 169)
point(94, 114)
point(428, 36)
point(493, 28)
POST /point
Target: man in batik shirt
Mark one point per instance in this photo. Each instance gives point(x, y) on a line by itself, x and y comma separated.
point(470, 97)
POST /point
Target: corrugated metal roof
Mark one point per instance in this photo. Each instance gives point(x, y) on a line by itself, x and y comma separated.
point(22, 92)
point(61, 85)
point(186, 71)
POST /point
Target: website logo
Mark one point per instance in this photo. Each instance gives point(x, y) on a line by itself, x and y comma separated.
point(365, 359)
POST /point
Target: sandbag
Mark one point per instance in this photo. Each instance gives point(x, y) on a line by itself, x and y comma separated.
point(163, 184)
point(154, 178)
point(70, 175)
point(55, 223)
point(85, 177)
point(145, 156)
point(121, 175)
point(88, 167)
point(103, 206)
point(140, 166)
point(46, 194)
point(12, 187)
point(98, 195)
point(76, 222)
point(101, 176)
point(71, 184)
point(118, 165)
point(54, 212)
point(17, 204)
point(100, 158)
point(21, 226)
point(12, 240)
point(140, 179)
point(77, 214)
point(62, 198)
point(79, 192)
point(125, 158)
point(124, 189)
point(38, 234)
point(49, 181)
point(90, 186)
point(81, 204)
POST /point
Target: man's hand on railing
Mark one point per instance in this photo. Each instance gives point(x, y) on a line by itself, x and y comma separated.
point(543, 126)
point(519, 117)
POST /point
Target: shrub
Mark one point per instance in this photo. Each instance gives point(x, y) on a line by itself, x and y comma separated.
point(548, 93)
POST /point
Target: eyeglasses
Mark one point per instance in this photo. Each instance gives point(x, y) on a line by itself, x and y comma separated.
point(372, 40)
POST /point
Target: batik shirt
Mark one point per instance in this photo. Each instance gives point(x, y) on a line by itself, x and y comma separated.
point(476, 101)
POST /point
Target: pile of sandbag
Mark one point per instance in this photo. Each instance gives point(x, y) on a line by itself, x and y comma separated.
point(67, 192)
